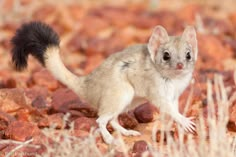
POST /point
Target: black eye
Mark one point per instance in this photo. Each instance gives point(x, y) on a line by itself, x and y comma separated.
point(188, 56)
point(166, 56)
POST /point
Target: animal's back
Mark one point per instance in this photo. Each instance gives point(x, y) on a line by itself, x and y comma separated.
point(113, 71)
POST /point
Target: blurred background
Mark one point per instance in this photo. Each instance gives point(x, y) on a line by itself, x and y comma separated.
point(93, 29)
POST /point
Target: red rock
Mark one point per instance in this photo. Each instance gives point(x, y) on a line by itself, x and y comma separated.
point(44, 78)
point(21, 131)
point(39, 102)
point(119, 154)
point(3, 127)
point(75, 114)
point(140, 146)
point(228, 78)
point(231, 126)
point(37, 96)
point(9, 83)
point(80, 133)
point(84, 123)
point(36, 91)
point(144, 113)
point(9, 106)
point(6, 117)
point(23, 115)
point(64, 100)
point(86, 110)
point(55, 120)
point(12, 100)
point(127, 121)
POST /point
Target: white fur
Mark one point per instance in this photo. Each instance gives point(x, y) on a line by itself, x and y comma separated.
point(170, 91)
point(55, 65)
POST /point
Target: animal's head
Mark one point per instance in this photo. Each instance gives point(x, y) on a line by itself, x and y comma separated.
point(173, 55)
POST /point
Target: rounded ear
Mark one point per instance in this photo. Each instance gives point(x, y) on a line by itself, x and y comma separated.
point(190, 36)
point(158, 37)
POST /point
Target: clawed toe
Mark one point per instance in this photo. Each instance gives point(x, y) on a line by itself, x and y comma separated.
point(188, 125)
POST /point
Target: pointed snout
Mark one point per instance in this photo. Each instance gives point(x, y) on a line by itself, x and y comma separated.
point(179, 66)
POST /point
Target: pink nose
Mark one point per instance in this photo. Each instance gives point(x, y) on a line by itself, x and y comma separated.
point(179, 66)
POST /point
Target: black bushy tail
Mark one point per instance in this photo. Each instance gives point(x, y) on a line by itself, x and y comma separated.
point(32, 38)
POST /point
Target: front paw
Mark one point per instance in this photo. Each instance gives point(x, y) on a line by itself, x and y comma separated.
point(187, 124)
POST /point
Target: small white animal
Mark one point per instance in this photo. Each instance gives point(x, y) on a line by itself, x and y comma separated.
point(157, 72)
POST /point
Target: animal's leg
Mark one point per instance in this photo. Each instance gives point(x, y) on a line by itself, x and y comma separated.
point(102, 124)
point(171, 108)
point(185, 122)
point(112, 103)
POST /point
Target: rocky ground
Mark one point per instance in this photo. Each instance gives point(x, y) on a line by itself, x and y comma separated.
point(37, 112)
